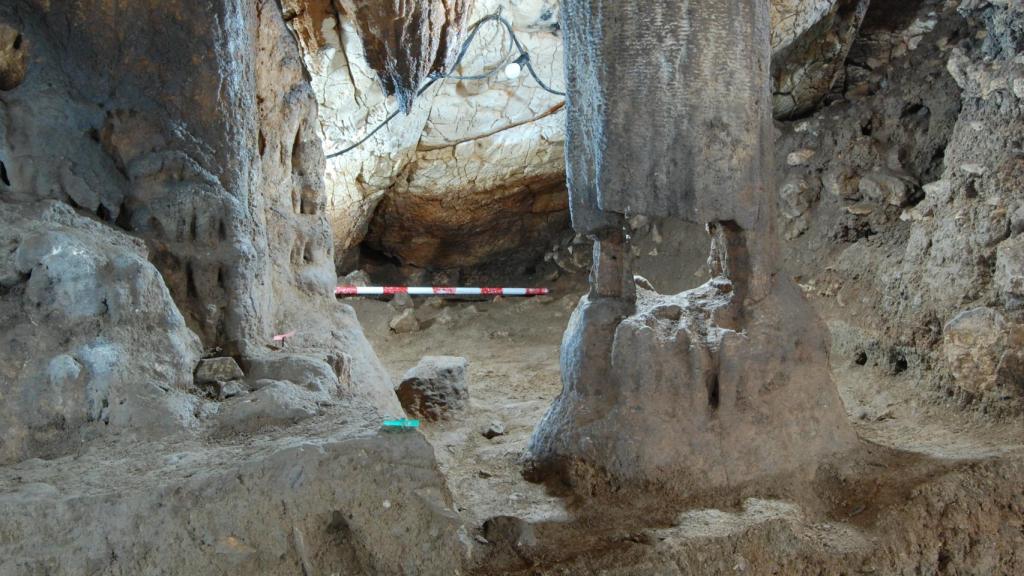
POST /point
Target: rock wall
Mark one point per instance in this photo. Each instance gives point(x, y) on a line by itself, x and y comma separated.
point(158, 204)
point(475, 172)
point(909, 190)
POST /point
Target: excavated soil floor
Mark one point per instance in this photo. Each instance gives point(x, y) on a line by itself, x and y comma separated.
point(900, 491)
point(933, 489)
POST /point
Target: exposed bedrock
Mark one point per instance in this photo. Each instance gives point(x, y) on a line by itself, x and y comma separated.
point(334, 504)
point(909, 189)
point(158, 205)
point(91, 341)
point(721, 384)
point(475, 172)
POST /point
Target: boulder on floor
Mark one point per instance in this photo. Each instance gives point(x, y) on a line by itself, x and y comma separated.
point(435, 387)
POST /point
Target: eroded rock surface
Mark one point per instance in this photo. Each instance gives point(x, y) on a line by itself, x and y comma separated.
point(917, 214)
point(118, 156)
point(345, 502)
point(92, 341)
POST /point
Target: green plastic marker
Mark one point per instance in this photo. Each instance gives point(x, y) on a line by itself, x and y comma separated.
point(403, 424)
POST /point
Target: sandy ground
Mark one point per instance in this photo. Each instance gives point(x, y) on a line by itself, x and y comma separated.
point(512, 347)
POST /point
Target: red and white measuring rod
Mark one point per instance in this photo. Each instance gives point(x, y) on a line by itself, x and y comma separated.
point(436, 291)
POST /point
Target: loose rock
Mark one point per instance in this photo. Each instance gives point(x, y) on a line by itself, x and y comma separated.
point(493, 430)
point(435, 387)
point(277, 404)
point(405, 322)
point(221, 369)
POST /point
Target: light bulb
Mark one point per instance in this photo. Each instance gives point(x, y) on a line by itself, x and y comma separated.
point(513, 70)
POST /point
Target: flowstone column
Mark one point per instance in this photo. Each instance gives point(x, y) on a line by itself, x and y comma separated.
point(669, 114)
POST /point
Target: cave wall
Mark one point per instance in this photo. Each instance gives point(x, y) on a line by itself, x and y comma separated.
point(162, 194)
point(476, 171)
point(908, 188)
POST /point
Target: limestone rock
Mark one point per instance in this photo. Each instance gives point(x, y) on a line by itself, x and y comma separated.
point(92, 341)
point(13, 57)
point(262, 506)
point(404, 42)
point(404, 322)
point(974, 344)
point(493, 430)
point(840, 180)
point(355, 278)
point(306, 371)
point(401, 301)
point(274, 404)
point(650, 381)
point(797, 194)
point(197, 175)
point(679, 381)
point(1009, 276)
point(887, 187)
point(435, 387)
point(805, 70)
point(221, 369)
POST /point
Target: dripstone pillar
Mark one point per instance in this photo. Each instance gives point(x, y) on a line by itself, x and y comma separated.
point(669, 114)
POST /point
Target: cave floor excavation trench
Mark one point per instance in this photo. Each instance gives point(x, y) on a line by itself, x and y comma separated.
point(914, 458)
point(923, 477)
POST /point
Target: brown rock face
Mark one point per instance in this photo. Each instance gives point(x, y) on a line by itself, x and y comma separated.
point(473, 225)
point(406, 41)
point(13, 57)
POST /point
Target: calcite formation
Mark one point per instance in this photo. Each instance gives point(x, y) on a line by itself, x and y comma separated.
point(157, 204)
point(721, 384)
point(476, 171)
point(405, 42)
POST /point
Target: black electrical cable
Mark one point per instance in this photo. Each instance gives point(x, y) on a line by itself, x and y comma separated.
point(514, 45)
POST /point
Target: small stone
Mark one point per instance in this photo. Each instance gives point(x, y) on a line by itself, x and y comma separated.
point(1009, 274)
point(309, 372)
point(643, 283)
point(356, 278)
point(435, 387)
point(405, 322)
point(973, 169)
point(1017, 221)
point(223, 369)
point(277, 404)
point(401, 301)
point(800, 157)
point(973, 344)
point(232, 389)
point(435, 302)
point(841, 182)
point(886, 187)
point(798, 193)
point(493, 430)
point(445, 318)
point(862, 208)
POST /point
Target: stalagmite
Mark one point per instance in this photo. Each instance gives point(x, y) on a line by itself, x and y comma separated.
point(723, 383)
